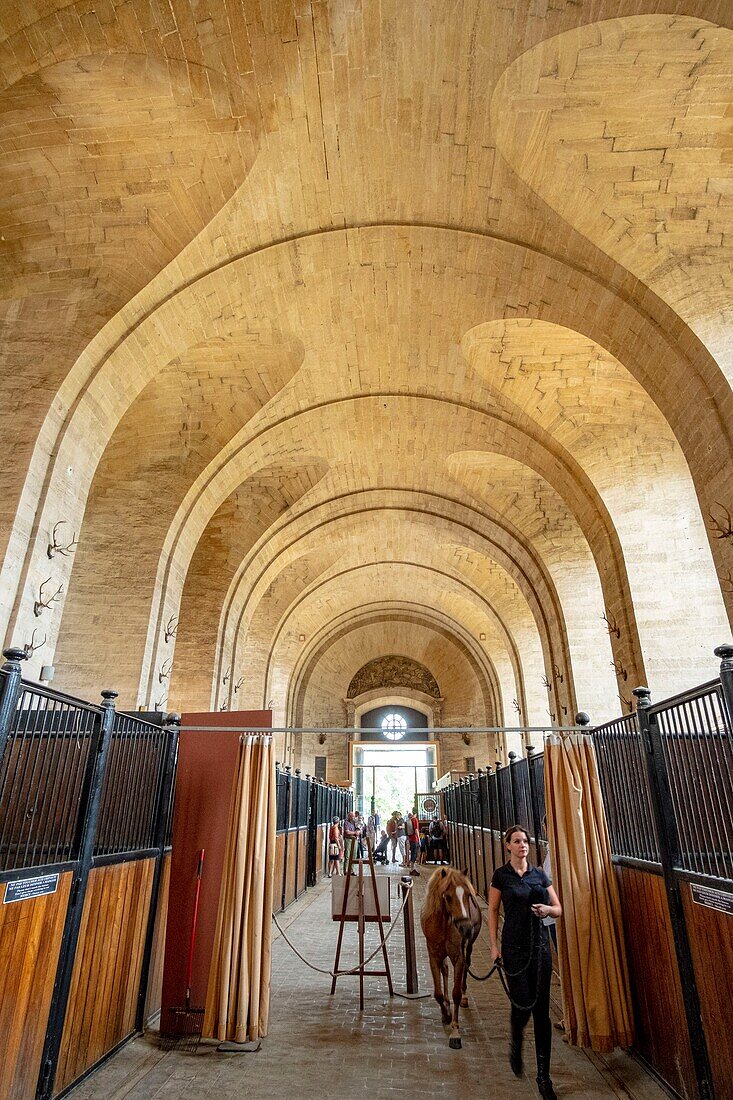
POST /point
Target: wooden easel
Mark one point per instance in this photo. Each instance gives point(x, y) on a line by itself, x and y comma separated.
point(361, 923)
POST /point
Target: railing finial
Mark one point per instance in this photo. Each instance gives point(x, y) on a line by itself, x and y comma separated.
point(582, 718)
point(643, 698)
point(13, 657)
point(725, 652)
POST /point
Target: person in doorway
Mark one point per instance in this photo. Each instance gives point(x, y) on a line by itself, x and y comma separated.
point(412, 834)
point(437, 842)
point(351, 838)
point(528, 897)
point(335, 848)
point(371, 831)
point(396, 833)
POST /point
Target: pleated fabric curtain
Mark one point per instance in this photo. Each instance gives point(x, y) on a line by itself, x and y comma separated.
point(238, 998)
point(598, 1010)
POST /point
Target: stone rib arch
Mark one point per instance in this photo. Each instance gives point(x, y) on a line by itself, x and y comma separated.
point(546, 614)
point(641, 353)
point(503, 634)
point(415, 613)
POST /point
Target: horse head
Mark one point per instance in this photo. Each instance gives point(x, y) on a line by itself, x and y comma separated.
point(459, 903)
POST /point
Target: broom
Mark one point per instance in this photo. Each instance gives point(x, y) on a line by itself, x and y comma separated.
point(185, 1024)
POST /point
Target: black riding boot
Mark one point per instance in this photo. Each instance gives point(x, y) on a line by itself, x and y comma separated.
point(515, 1050)
point(544, 1084)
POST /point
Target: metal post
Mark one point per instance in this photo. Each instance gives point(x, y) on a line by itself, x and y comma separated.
point(666, 828)
point(288, 786)
point(312, 842)
point(534, 807)
point(474, 824)
point(725, 652)
point(90, 801)
point(298, 786)
point(161, 825)
point(512, 787)
point(409, 919)
point(503, 824)
point(482, 824)
point(11, 687)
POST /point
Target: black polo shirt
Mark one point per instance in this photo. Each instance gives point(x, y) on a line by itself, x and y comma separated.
point(518, 894)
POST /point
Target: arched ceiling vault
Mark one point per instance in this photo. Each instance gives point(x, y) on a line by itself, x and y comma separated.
point(283, 317)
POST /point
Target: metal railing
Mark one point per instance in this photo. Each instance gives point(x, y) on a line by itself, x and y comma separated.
point(304, 804)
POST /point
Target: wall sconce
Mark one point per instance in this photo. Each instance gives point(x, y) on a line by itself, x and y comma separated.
point(301, 637)
point(321, 739)
point(482, 637)
point(466, 738)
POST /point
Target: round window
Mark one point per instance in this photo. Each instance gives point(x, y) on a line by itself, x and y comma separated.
point(394, 727)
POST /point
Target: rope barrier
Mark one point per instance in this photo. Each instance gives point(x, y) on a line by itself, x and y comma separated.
point(356, 969)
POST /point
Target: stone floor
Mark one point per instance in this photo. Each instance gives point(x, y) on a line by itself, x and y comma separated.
point(322, 1046)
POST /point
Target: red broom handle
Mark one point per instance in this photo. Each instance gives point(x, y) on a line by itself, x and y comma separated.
point(189, 969)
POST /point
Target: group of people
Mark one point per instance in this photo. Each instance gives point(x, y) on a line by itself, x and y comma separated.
point(404, 841)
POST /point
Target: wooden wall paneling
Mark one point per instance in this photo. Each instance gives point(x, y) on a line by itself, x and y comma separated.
point(290, 869)
point(106, 975)
point(711, 943)
point(278, 872)
point(661, 1028)
point(155, 974)
point(302, 859)
point(321, 853)
point(30, 940)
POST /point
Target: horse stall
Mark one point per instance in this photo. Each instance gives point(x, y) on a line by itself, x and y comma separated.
point(84, 812)
point(666, 777)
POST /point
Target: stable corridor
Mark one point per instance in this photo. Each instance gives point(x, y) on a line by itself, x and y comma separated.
point(321, 1046)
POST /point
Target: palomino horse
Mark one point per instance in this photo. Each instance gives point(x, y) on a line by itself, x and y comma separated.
point(451, 921)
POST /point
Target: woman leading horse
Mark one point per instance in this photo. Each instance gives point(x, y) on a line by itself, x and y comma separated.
point(528, 897)
point(451, 921)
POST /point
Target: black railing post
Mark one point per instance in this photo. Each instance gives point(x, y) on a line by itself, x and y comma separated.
point(725, 652)
point(534, 806)
point(483, 782)
point(11, 688)
point(311, 874)
point(666, 827)
point(503, 824)
point(162, 812)
point(89, 803)
point(473, 802)
point(513, 787)
point(298, 795)
point(288, 792)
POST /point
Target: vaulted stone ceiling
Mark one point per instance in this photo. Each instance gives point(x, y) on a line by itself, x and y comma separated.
point(340, 330)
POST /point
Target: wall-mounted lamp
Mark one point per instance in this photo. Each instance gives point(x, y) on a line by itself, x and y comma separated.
point(47, 673)
point(482, 637)
point(301, 637)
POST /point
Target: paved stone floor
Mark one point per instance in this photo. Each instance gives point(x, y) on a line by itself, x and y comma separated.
point(322, 1046)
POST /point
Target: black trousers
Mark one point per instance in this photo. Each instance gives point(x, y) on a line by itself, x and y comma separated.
point(532, 981)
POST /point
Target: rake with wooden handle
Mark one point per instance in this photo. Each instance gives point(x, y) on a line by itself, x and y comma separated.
point(185, 1024)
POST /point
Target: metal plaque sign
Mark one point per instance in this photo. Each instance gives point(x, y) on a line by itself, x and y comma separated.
point(712, 898)
point(23, 889)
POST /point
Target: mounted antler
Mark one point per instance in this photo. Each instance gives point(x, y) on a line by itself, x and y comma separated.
point(30, 647)
point(41, 603)
point(57, 547)
point(171, 628)
point(552, 716)
point(628, 703)
point(224, 706)
point(724, 529)
point(165, 672)
point(558, 674)
point(516, 706)
point(620, 671)
point(227, 674)
point(159, 703)
point(613, 627)
point(546, 683)
point(238, 684)
point(565, 710)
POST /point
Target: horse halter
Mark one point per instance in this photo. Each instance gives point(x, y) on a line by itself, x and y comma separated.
point(458, 921)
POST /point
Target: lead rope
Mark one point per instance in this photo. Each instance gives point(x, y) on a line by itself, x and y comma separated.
point(504, 973)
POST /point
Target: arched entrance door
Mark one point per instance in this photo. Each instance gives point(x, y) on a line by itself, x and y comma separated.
point(393, 761)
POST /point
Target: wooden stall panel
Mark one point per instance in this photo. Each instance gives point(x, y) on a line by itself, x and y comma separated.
point(155, 975)
point(290, 869)
point(302, 859)
point(30, 940)
point(321, 853)
point(661, 1028)
point(711, 941)
point(278, 872)
point(106, 976)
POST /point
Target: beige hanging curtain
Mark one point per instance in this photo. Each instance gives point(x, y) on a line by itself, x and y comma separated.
point(596, 995)
point(238, 998)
